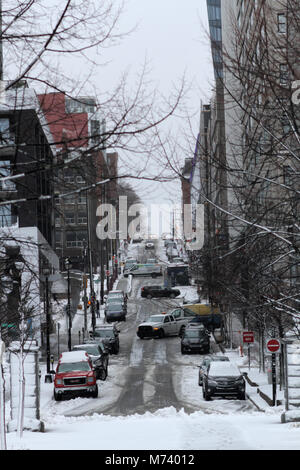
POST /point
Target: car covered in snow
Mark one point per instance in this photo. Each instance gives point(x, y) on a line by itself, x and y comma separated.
point(75, 376)
point(223, 379)
point(205, 363)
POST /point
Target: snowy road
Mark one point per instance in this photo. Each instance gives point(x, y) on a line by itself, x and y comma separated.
point(151, 400)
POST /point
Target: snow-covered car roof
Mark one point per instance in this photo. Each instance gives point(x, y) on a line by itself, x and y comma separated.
point(73, 356)
point(224, 369)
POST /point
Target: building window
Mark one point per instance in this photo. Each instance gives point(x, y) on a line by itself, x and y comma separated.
point(75, 239)
point(5, 216)
point(70, 218)
point(283, 74)
point(5, 170)
point(70, 199)
point(80, 179)
point(281, 22)
point(58, 238)
point(82, 218)
point(81, 198)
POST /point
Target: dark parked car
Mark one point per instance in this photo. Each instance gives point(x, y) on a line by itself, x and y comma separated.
point(98, 355)
point(149, 245)
point(195, 339)
point(115, 312)
point(223, 379)
point(109, 336)
point(205, 363)
point(159, 291)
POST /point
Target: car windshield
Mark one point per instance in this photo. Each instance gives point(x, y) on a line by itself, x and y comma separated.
point(114, 296)
point(104, 333)
point(192, 334)
point(114, 306)
point(74, 366)
point(93, 350)
point(156, 318)
point(114, 300)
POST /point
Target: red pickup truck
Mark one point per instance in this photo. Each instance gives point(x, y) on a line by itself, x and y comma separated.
point(75, 376)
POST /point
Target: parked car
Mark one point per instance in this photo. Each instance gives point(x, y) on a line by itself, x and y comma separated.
point(205, 363)
point(195, 339)
point(159, 291)
point(223, 379)
point(75, 376)
point(109, 336)
point(152, 270)
point(158, 326)
point(99, 356)
point(115, 311)
point(117, 294)
point(149, 245)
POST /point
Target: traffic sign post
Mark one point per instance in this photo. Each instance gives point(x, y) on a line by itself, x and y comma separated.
point(273, 346)
point(248, 337)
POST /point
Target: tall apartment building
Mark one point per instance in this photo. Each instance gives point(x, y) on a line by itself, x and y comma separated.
point(27, 217)
point(260, 46)
point(77, 128)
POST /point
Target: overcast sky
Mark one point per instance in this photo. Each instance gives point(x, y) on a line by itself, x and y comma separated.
point(172, 34)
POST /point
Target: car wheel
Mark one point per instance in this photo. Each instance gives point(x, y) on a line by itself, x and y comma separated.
point(172, 296)
point(183, 351)
point(95, 393)
point(242, 396)
point(141, 336)
point(200, 382)
point(149, 296)
point(103, 374)
point(181, 331)
point(205, 395)
point(161, 333)
point(57, 396)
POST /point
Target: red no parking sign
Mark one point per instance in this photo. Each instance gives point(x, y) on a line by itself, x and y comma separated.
point(273, 345)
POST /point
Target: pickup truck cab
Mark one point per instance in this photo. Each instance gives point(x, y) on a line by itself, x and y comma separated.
point(158, 326)
point(172, 323)
point(75, 376)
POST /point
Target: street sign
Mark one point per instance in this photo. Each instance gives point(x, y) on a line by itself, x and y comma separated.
point(248, 337)
point(273, 345)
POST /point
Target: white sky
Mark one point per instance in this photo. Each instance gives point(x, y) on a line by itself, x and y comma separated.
point(172, 35)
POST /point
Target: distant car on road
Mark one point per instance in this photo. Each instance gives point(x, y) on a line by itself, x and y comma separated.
point(115, 311)
point(205, 363)
point(223, 379)
point(159, 291)
point(195, 339)
point(149, 245)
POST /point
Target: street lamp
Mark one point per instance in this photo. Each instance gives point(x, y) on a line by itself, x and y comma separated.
point(46, 272)
point(68, 267)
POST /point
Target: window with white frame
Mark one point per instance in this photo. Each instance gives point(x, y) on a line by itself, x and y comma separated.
point(281, 23)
